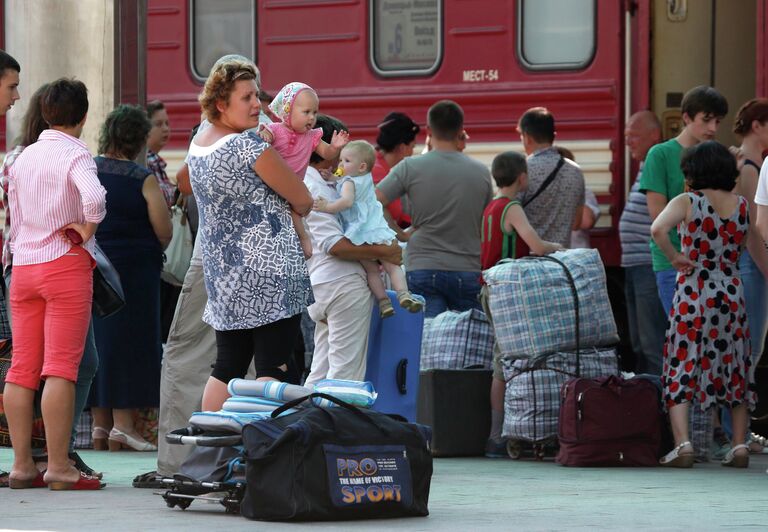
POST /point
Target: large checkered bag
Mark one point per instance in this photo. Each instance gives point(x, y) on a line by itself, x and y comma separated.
point(532, 397)
point(534, 309)
point(457, 340)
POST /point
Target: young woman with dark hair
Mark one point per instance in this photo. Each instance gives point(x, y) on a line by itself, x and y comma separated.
point(707, 353)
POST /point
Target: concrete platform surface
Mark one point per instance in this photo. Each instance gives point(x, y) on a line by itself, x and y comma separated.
point(467, 494)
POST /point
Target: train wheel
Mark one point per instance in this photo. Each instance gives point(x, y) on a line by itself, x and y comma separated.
point(514, 449)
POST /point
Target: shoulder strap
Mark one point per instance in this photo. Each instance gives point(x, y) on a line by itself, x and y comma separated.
point(750, 162)
point(547, 181)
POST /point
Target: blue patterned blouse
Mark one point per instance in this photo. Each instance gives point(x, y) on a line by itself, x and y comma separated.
point(254, 269)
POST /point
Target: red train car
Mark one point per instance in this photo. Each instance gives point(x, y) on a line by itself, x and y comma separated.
point(591, 62)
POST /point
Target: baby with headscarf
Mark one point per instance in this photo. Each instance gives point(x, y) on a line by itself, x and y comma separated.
point(295, 138)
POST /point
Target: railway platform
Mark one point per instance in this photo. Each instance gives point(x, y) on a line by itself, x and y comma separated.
point(467, 494)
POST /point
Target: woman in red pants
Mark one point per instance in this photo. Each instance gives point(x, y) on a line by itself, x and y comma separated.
point(52, 187)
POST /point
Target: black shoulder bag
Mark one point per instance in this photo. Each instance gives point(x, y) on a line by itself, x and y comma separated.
point(546, 183)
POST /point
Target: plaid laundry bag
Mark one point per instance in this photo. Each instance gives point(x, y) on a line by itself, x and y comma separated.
point(532, 398)
point(532, 303)
point(457, 340)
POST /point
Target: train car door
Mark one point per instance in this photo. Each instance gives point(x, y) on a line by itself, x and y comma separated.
point(761, 81)
point(703, 43)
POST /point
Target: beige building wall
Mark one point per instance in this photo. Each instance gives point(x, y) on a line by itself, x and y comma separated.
point(63, 38)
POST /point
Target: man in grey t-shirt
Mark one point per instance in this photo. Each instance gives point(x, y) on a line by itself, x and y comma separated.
point(447, 192)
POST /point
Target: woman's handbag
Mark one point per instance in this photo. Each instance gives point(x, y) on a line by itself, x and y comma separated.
point(108, 296)
point(178, 254)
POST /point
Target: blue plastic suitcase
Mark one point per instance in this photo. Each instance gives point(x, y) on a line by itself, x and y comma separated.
point(394, 350)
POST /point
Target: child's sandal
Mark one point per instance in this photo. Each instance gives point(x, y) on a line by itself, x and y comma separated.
point(408, 302)
point(386, 310)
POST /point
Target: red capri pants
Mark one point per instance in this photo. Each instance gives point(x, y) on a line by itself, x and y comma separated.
point(50, 313)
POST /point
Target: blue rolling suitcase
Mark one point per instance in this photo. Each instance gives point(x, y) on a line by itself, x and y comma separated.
point(394, 351)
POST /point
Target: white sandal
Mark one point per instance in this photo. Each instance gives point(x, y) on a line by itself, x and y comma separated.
point(675, 458)
point(757, 440)
point(737, 460)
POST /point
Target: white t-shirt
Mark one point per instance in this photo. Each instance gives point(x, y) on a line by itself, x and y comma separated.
point(580, 238)
point(761, 196)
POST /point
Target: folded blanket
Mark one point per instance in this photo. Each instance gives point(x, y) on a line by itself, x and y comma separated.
point(245, 404)
point(357, 393)
point(278, 391)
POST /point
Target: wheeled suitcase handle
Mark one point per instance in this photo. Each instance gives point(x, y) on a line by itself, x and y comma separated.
point(400, 374)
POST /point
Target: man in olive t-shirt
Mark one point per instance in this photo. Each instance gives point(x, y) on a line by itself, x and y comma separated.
point(447, 192)
point(702, 108)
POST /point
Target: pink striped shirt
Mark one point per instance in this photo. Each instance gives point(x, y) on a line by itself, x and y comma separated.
point(53, 183)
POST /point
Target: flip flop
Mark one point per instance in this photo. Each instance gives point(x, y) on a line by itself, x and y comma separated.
point(37, 482)
point(82, 466)
point(149, 480)
point(85, 482)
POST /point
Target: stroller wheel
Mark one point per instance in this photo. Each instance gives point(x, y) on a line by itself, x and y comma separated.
point(232, 508)
point(171, 501)
point(183, 503)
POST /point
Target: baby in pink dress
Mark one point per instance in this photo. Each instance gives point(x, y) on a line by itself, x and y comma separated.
point(295, 139)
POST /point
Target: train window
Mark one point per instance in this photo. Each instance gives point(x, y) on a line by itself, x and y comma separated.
point(406, 36)
point(556, 34)
point(220, 27)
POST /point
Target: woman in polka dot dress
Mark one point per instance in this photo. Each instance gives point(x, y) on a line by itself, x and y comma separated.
point(706, 355)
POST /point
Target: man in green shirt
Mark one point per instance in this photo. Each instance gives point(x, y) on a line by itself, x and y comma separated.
point(703, 109)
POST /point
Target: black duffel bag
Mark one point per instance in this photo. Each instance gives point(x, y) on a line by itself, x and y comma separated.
point(335, 463)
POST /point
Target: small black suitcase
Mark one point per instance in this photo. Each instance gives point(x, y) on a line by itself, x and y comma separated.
point(456, 404)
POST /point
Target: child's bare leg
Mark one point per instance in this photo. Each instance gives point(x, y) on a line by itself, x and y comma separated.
point(396, 276)
point(376, 284)
point(406, 299)
point(301, 232)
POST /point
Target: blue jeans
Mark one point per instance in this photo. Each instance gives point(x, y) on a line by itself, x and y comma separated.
point(646, 319)
point(756, 299)
point(85, 373)
point(666, 282)
point(445, 290)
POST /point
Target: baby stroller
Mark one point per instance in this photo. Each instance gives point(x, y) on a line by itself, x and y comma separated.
point(213, 472)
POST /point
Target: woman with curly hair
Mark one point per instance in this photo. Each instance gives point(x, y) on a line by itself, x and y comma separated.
point(255, 274)
point(133, 235)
